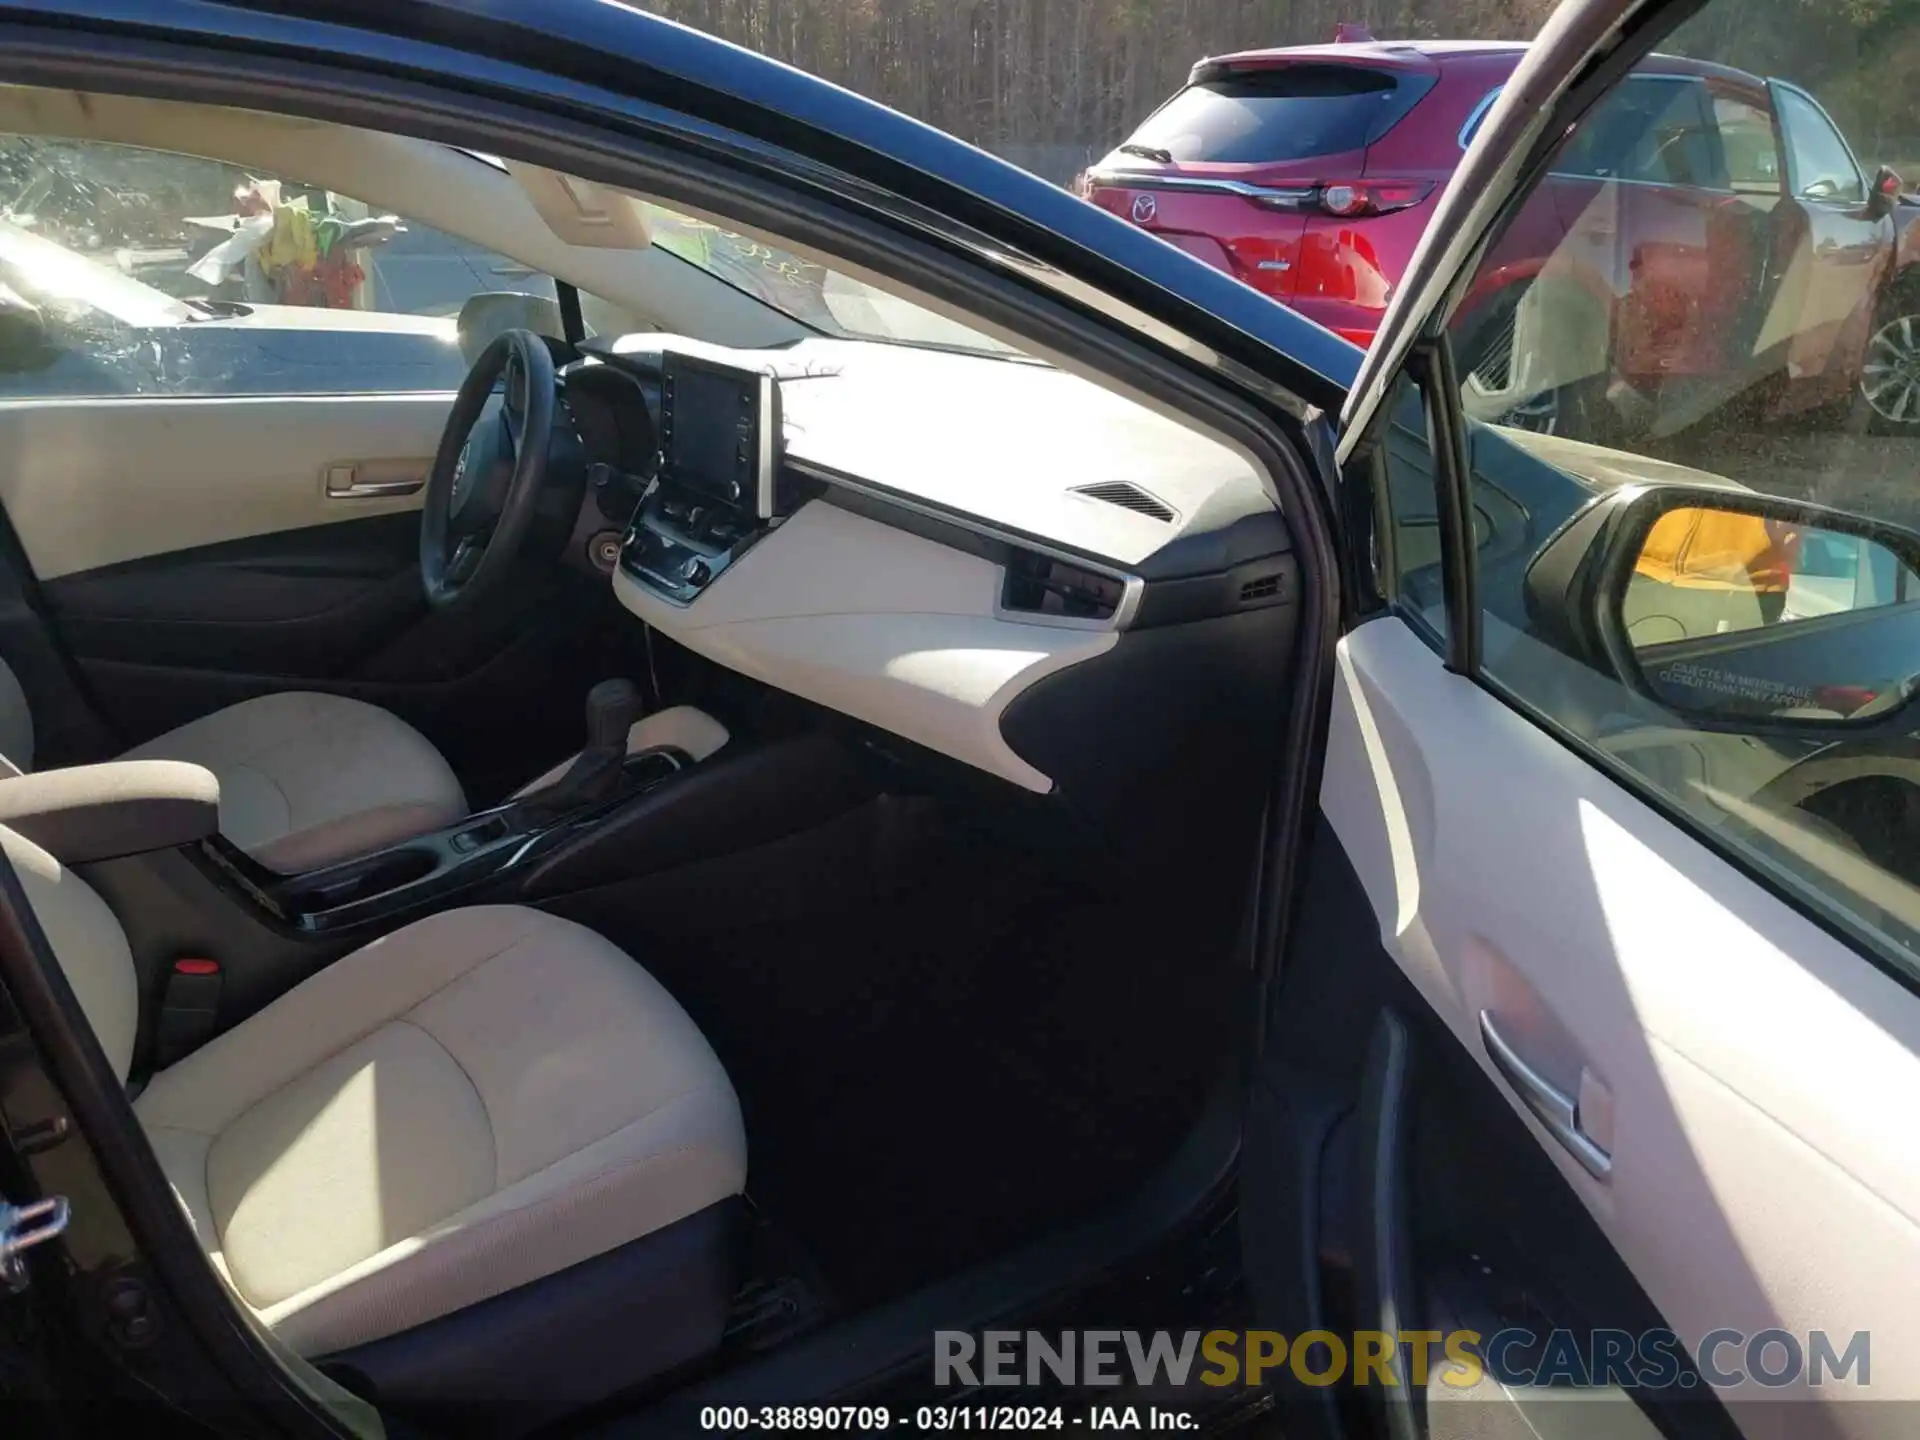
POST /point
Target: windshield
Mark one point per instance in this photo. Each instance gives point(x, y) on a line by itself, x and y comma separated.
point(823, 299)
point(57, 278)
point(819, 298)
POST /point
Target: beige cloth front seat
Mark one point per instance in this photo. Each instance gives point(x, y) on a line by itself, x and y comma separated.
point(306, 780)
point(480, 1100)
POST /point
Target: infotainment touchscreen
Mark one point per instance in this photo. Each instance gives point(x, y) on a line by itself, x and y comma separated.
point(720, 431)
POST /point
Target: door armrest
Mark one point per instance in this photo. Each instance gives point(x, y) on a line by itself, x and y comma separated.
point(101, 812)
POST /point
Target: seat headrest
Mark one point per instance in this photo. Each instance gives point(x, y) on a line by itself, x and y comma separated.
point(16, 725)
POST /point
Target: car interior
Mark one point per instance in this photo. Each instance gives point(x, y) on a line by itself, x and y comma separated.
point(710, 827)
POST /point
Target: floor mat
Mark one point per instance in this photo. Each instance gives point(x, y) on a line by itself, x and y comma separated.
point(942, 1045)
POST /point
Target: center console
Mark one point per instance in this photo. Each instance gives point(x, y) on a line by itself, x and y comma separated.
point(720, 485)
point(405, 880)
point(690, 797)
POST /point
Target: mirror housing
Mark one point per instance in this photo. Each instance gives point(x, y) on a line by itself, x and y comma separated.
point(1884, 198)
point(1756, 659)
point(494, 312)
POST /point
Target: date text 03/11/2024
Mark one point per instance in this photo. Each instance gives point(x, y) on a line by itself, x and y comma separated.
point(873, 1419)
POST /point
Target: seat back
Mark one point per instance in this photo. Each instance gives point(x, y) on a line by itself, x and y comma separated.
point(16, 725)
point(88, 943)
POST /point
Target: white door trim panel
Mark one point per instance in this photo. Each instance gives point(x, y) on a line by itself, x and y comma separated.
point(92, 482)
point(1764, 1077)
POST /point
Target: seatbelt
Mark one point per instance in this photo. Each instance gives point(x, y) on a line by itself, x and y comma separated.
point(189, 1010)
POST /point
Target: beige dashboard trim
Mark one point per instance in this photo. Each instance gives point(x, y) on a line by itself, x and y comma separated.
point(1133, 588)
point(879, 624)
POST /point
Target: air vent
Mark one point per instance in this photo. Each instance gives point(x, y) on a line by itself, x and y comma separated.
point(1127, 496)
point(1265, 588)
point(1041, 585)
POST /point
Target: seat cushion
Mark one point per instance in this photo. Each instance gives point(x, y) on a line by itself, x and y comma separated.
point(479, 1100)
point(308, 780)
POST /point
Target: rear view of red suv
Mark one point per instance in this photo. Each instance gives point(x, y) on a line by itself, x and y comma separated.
point(1705, 233)
point(1308, 173)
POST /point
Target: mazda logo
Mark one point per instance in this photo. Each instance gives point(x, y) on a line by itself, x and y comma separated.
point(1145, 207)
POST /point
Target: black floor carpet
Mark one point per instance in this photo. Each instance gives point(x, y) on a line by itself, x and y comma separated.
point(942, 1044)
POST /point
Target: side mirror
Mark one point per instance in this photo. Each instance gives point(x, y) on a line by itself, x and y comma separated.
point(1884, 198)
point(494, 312)
point(1734, 608)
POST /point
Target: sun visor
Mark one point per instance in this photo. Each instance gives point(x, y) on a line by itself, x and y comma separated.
point(582, 213)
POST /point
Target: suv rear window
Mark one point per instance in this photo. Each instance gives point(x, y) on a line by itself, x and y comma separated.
point(1291, 112)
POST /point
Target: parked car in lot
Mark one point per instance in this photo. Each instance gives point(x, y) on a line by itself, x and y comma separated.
point(1309, 172)
point(1750, 249)
point(1102, 803)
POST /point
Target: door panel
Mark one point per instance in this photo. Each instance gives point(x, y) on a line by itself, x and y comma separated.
point(308, 603)
point(1845, 250)
point(189, 557)
point(1757, 1068)
point(165, 640)
point(89, 483)
point(1844, 257)
point(499, 695)
point(1480, 1232)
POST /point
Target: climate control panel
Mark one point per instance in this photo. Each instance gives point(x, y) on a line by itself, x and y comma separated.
point(680, 542)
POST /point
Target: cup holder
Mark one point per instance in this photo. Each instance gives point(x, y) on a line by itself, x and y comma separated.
point(649, 767)
point(362, 879)
point(401, 867)
point(412, 876)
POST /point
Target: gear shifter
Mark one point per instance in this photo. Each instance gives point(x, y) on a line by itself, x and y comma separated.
point(612, 708)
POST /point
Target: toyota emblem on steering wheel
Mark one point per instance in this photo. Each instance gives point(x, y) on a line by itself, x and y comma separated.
point(461, 470)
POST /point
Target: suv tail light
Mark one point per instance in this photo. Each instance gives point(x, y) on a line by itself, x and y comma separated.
point(1350, 199)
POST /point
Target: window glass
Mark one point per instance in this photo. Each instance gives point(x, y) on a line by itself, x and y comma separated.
point(1747, 147)
point(1288, 113)
point(1823, 168)
point(1650, 130)
point(811, 293)
point(805, 290)
point(1690, 456)
point(1411, 516)
point(131, 271)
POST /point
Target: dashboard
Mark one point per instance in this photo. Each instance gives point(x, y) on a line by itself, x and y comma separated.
point(963, 551)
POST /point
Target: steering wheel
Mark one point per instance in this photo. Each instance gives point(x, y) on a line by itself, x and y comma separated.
point(487, 474)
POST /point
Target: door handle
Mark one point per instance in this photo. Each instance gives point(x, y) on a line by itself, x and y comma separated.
point(1551, 1105)
point(344, 483)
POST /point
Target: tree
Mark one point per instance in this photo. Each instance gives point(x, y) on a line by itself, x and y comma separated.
point(1082, 73)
